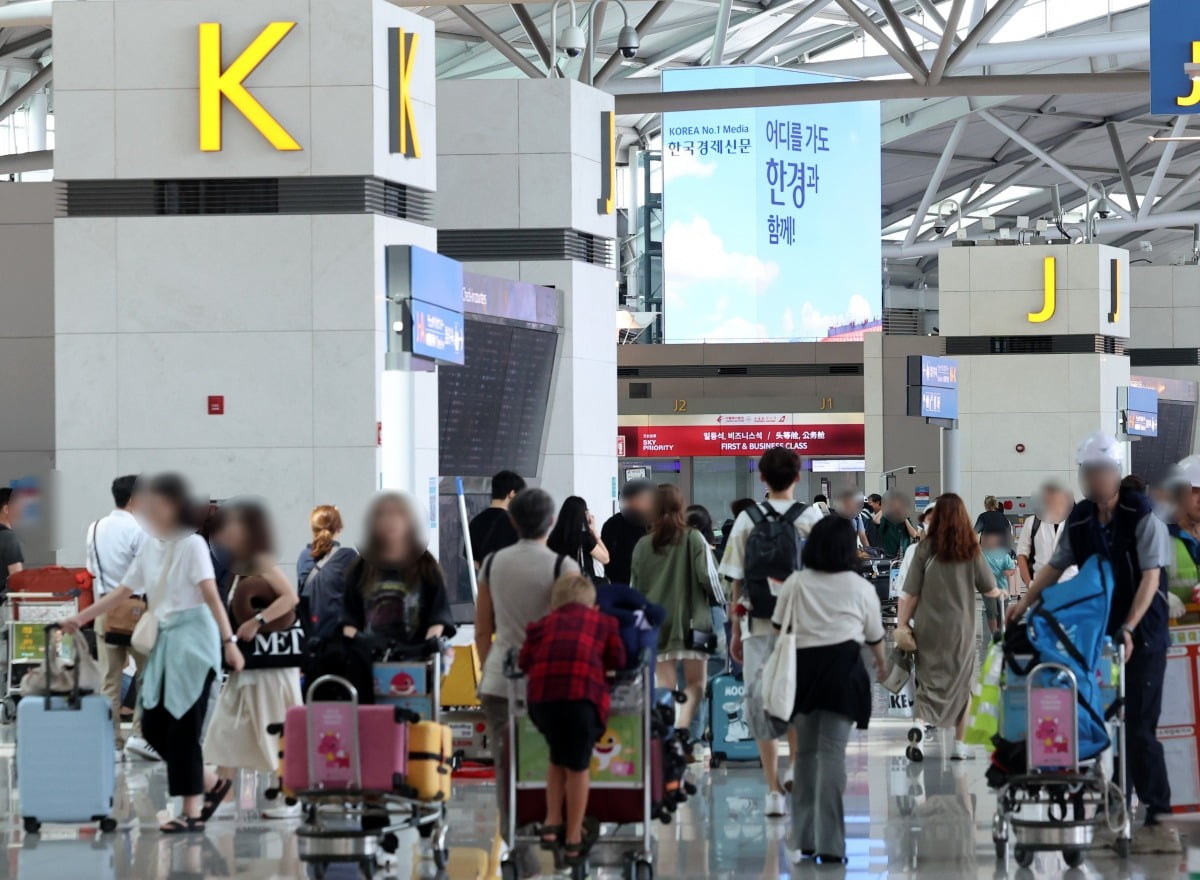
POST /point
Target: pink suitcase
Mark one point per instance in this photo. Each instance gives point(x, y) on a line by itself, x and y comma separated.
point(323, 744)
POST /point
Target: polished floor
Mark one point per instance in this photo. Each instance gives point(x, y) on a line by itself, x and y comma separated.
point(926, 822)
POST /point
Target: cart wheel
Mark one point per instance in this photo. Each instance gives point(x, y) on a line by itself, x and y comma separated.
point(716, 760)
point(1001, 849)
point(367, 867)
point(389, 843)
point(1073, 857)
point(1024, 856)
point(645, 871)
point(441, 858)
point(579, 871)
point(271, 794)
point(32, 825)
point(1122, 848)
point(108, 825)
point(508, 870)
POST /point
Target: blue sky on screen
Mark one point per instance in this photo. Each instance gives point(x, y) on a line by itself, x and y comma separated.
point(749, 253)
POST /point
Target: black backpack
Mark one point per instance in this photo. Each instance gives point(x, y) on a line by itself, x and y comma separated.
point(772, 552)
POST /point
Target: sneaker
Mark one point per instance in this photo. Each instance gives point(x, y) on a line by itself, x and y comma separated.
point(799, 856)
point(284, 811)
point(1157, 838)
point(776, 806)
point(962, 752)
point(138, 747)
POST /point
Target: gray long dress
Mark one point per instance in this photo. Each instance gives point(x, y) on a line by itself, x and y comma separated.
point(944, 627)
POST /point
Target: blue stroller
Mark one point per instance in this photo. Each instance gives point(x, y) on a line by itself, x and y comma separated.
point(1061, 709)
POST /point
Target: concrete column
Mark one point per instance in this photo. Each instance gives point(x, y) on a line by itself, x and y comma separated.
point(522, 155)
point(36, 122)
point(278, 310)
point(1023, 412)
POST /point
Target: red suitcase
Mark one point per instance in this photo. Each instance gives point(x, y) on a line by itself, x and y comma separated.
point(335, 745)
point(64, 582)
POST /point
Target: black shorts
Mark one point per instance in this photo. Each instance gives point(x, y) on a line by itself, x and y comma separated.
point(571, 728)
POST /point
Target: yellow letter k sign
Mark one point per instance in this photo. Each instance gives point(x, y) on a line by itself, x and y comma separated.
point(216, 83)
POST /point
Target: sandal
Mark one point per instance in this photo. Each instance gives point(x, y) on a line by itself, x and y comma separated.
point(183, 825)
point(213, 799)
point(575, 853)
point(551, 836)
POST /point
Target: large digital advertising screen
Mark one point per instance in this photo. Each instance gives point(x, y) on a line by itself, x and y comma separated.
point(771, 214)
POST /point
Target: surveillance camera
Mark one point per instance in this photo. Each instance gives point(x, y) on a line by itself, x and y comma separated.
point(912, 470)
point(1104, 214)
point(572, 41)
point(628, 42)
point(939, 228)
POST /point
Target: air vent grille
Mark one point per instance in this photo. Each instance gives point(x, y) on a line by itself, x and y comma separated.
point(479, 245)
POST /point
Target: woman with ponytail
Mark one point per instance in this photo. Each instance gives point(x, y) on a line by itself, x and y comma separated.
point(320, 572)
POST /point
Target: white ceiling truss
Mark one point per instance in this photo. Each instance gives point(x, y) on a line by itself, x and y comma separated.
point(989, 102)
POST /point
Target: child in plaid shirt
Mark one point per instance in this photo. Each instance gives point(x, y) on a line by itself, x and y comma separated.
point(566, 657)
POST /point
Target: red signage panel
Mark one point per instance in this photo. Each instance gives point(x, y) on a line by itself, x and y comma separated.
point(677, 441)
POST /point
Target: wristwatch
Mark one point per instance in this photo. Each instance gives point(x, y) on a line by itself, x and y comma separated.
point(262, 621)
point(232, 640)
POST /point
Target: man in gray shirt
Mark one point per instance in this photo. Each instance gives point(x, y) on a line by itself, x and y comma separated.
point(1119, 525)
point(514, 591)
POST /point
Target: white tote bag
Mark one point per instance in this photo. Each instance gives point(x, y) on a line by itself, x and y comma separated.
point(779, 673)
point(145, 634)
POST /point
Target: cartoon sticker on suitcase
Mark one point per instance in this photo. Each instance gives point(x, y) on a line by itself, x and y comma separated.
point(333, 742)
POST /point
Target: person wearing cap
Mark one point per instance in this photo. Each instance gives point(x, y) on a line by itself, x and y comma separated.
point(626, 527)
point(1119, 524)
point(1183, 569)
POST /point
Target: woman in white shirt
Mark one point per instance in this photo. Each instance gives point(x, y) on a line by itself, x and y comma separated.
point(174, 571)
point(833, 611)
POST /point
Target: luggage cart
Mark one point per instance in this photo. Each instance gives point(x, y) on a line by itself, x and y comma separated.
point(362, 825)
point(627, 802)
point(25, 617)
point(1046, 808)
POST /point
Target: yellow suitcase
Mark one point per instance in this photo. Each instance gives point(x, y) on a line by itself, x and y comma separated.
point(429, 758)
point(462, 681)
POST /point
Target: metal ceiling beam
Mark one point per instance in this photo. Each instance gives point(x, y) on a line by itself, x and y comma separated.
point(917, 71)
point(908, 24)
point(643, 27)
point(717, 53)
point(928, 7)
point(19, 163)
point(1046, 158)
point(501, 45)
point(935, 179)
point(764, 46)
point(991, 20)
point(534, 35)
point(1180, 190)
point(25, 91)
point(949, 35)
point(1164, 162)
point(29, 13)
point(900, 30)
point(12, 47)
point(1122, 166)
point(880, 90)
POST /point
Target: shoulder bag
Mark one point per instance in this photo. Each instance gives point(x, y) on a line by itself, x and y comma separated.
point(779, 673)
point(274, 647)
point(145, 634)
point(119, 623)
point(704, 640)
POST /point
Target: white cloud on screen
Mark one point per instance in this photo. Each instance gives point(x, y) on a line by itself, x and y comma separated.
point(685, 165)
point(815, 324)
point(696, 253)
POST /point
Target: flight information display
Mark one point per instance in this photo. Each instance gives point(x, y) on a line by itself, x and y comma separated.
point(493, 408)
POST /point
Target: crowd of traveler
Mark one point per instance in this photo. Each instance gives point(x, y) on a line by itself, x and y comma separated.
point(234, 634)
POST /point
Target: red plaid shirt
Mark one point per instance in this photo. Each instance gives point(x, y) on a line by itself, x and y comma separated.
point(567, 653)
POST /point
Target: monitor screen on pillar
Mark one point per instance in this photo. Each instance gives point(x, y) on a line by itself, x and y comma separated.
point(493, 408)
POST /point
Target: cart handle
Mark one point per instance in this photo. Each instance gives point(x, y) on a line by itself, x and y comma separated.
point(350, 689)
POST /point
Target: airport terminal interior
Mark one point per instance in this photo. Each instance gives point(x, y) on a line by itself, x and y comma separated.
point(632, 439)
